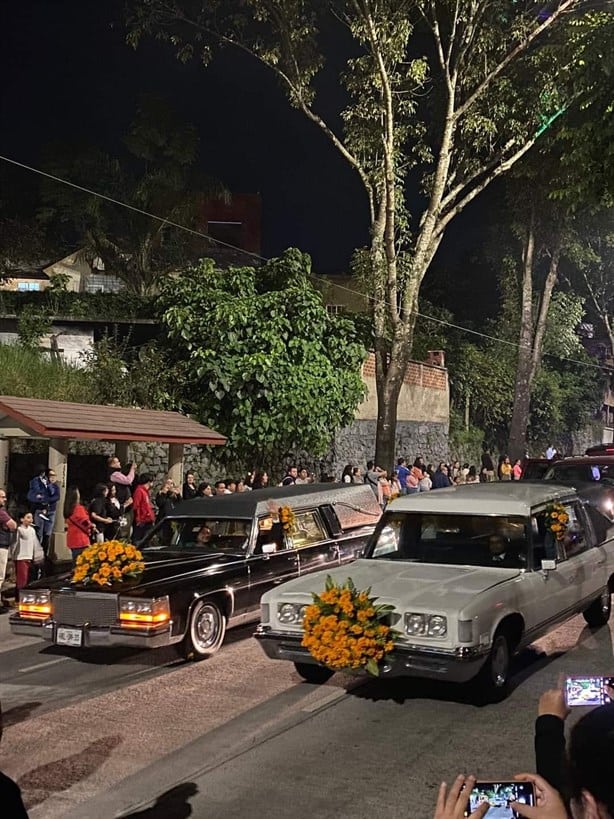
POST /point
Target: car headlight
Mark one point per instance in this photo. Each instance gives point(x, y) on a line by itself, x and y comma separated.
point(428, 625)
point(134, 611)
point(35, 603)
point(290, 613)
point(437, 626)
point(415, 623)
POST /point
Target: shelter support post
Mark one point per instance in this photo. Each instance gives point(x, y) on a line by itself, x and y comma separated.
point(175, 463)
point(121, 450)
point(5, 451)
point(58, 461)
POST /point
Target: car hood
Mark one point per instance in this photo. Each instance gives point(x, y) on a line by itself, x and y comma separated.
point(160, 567)
point(419, 586)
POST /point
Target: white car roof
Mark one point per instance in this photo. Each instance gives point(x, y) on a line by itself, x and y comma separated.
point(504, 498)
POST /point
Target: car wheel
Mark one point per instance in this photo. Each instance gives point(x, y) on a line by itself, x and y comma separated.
point(205, 631)
point(315, 674)
point(598, 613)
point(492, 682)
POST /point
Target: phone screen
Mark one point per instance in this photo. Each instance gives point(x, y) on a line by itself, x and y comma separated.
point(587, 690)
point(499, 796)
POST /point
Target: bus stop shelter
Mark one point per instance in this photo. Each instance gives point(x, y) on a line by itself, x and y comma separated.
point(60, 422)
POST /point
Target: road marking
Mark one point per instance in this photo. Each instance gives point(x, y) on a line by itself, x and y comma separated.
point(327, 700)
point(42, 665)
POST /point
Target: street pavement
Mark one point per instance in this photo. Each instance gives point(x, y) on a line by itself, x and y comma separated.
point(246, 740)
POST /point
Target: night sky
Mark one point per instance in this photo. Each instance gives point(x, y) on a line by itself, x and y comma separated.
point(67, 73)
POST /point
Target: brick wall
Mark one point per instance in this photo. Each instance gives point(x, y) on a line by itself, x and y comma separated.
point(417, 374)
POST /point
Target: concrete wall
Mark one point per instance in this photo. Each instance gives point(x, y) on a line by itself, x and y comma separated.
point(72, 341)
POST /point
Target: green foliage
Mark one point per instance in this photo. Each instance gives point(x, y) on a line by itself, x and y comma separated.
point(32, 325)
point(29, 373)
point(265, 364)
point(57, 302)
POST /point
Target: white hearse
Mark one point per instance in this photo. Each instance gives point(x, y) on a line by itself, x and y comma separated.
point(474, 573)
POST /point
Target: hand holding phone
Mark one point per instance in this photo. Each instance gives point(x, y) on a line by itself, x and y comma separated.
point(500, 796)
point(588, 691)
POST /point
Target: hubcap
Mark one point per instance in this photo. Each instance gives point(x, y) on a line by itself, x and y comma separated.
point(206, 627)
point(500, 662)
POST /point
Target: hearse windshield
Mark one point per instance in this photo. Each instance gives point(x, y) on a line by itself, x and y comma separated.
point(200, 535)
point(456, 540)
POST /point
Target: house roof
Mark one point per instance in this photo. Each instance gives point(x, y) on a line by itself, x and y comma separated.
point(37, 418)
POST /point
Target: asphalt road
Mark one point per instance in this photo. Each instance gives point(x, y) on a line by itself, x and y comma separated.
point(377, 750)
point(245, 738)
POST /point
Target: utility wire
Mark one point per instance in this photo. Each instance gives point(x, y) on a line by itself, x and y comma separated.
point(202, 235)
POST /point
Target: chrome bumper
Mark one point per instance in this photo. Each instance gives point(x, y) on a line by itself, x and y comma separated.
point(456, 665)
point(96, 637)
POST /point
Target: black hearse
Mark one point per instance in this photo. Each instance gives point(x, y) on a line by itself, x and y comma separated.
point(206, 568)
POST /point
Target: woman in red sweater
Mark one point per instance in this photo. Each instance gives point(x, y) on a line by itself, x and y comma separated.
point(79, 527)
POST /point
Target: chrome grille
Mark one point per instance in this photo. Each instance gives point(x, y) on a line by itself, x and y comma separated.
point(78, 608)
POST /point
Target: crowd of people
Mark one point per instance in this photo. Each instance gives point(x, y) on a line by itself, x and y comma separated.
point(574, 779)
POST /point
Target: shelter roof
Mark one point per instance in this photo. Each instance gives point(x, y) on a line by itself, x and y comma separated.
point(37, 418)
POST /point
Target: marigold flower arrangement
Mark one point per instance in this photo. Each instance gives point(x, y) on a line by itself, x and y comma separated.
point(344, 628)
point(108, 563)
point(557, 520)
point(287, 519)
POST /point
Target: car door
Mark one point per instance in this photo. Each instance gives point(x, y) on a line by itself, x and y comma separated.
point(587, 558)
point(273, 568)
point(314, 546)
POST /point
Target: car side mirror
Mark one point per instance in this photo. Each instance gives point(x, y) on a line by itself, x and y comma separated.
point(548, 565)
point(269, 549)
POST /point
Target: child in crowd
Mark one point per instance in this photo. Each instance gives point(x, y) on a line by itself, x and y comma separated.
point(27, 549)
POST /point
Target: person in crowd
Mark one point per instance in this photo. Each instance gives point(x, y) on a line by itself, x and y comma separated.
point(395, 486)
point(419, 461)
point(231, 486)
point(385, 490)
point(242, 486)
point(465, 471)
point(357, 476)
point(204, 490)
point(403, 473)
point(144, 515)
point(551, 452)
point(167, 498)
point(488, 467)
point(304, 477)
point(441, 479)
point(79, 527)
point(189, 489)
point(8, 527)
point(412, 482)
point(517, 470)
point(53, 497)
point(505, 468)
point(26, 550)
point(426, 483)
point(10, 794)
point(430, 470)
point(261, 479)
point(372, 478)
point(346, 475)
point(455, 471)
point(123, 479)
point(98, 509)
point(472, 475)
point(220, 488)
point(115, 511)
point(38, 499)
point(290, 477)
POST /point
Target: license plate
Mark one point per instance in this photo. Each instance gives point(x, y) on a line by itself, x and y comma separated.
point(69, 636)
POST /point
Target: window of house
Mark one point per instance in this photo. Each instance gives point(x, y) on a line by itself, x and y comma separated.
point(231, 233)
point(24, 286)
point(335, 309)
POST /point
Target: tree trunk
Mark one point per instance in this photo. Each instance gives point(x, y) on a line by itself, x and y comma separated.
point(517, 446)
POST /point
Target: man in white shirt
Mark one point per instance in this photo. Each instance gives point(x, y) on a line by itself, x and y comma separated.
point(550, 452)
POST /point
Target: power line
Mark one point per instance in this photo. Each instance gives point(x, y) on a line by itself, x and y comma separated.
point(353, 291)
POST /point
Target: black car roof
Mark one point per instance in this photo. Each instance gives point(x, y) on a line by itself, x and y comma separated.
point(355, 504)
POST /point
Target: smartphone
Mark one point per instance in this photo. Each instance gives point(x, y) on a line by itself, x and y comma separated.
point(587, 690)
point(499, 796)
